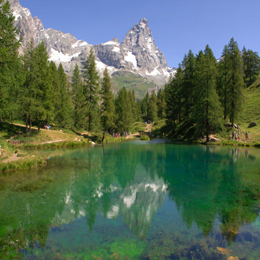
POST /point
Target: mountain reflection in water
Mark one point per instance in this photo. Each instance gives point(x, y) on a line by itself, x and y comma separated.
point(135, 200)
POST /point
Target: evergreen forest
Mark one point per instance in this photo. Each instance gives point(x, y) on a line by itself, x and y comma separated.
point(198, 100)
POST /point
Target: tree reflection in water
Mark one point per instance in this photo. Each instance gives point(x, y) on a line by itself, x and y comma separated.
point(190, 200)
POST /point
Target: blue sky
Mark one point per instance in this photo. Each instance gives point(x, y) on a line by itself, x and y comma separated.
point(177, 25)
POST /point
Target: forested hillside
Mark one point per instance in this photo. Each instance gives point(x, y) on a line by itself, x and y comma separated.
point(198, 101)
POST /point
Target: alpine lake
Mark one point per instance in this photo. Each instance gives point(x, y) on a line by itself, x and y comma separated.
point(134, 200)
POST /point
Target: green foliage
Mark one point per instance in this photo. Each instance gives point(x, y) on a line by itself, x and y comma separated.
point(27, 163)
point(128, 249)
point(161, 103)
point(188, 87)
point(207, 111)
point(173, 92)
point(78, 99)
point(152, 107)
point(133, 104)
point(235, 84)
point(252, 105)
point(64, 104)
point(90, 89)
point(10, 66)
point(144, 137)
point(251, 62)
point(144, 106)
point(123, 110)
point(107, 104)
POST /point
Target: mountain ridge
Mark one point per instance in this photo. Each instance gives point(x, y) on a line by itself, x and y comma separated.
point(137, 53)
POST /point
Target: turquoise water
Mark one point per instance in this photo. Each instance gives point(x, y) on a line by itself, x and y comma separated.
point(134, 200)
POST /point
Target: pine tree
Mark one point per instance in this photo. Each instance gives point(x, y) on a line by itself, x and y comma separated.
point(152, 107)
point(78, 99)
point(223, 77)
point(161, 103)
point(41, 84)
point(107, 104)
point(206, 110)
point(251, 63)
point(37, 83)
point(123, 110)
point(133, 104)
point(235, 84)
point(52, 92)
point(27, 93)
point(144, 106)
point(138, 111)
point(91, 88)
point(173, 93)
point(10, 65)
point(188, 87)
point(64, 115)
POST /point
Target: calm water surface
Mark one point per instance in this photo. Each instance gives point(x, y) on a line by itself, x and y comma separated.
point(135, 200)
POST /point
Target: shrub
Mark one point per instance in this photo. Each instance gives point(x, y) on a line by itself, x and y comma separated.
point(145, 138)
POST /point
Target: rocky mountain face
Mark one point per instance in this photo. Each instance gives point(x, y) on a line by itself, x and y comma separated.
point(137, 53)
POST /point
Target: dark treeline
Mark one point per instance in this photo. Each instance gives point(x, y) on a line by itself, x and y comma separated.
point(194, 103)
point(34, 90)
point(204, 93)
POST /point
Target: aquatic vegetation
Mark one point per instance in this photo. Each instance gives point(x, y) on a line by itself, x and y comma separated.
point(134, 200)
point(27, 163)
point(128, 249)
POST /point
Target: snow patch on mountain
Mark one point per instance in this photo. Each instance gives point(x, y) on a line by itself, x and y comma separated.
point(16, 15)
point(131, 58)
point(110, 43)
point(57, 56)
point(116, 49)
point(79, 43)
point(100, 66)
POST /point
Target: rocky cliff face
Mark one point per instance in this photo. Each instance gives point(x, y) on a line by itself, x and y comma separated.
point(137, 53)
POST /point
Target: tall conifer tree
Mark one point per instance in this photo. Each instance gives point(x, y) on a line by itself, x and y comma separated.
point(235, 84)
point(188, 87)
point(223, 78)
point(78, 99)
point(41, 83)
point(144, 106)
point(28, 96)
point(123, 110)
point(52, 95)
point(152, 107)
point(174, 98)
point(10, 65)
point(133, 104)
point(251, 63)
point(91, 88)
point(65, 105)
point(107, 104)
point(206, 110)
point(161, 103)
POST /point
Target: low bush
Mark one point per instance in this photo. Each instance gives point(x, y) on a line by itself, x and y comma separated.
point(145, 138)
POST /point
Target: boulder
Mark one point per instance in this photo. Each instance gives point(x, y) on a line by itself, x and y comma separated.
point(252, 124)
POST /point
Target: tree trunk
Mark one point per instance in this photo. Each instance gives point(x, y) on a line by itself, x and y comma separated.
point(207, 122)
point(103, 136)
point(30, 119)
point(26, 121)
point(39, 126)
point(89, 122)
